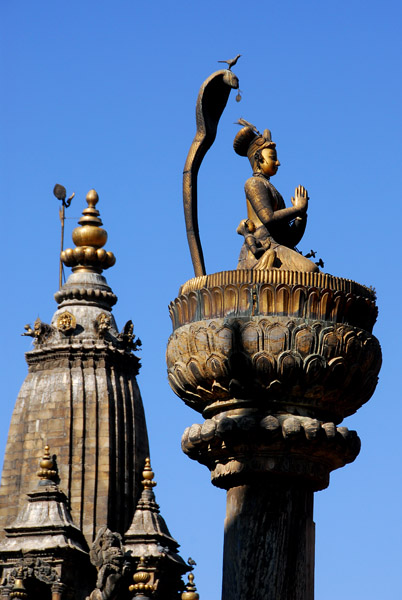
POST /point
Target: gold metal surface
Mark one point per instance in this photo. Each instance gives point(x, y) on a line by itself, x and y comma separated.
point(66, 322)
point(211, 102)
point(19, 590)
point(191, 590)
point(47, 469)
point(103, 323)
point(272, 230)
point(277, 277)
point(143, 580)
point(148, 475)
point(89, 238)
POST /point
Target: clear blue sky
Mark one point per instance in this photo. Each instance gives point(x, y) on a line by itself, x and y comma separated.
point(101, 94)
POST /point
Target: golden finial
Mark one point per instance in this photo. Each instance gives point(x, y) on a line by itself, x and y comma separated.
point(47, 471)
point(19, 590)
point(148, 475)
point(141, 579)
point(191, 590)
point(89, 239)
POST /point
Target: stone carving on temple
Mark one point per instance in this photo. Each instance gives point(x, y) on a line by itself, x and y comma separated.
point(107, 555)
point(40, 332)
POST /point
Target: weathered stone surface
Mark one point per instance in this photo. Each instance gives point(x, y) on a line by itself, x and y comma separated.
point(267, 525)
point(42, 537)
point(81, 397)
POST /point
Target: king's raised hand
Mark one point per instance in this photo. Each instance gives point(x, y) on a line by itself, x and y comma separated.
point(300, 199)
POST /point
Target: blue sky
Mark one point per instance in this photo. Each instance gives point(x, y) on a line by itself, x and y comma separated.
point(101, 94)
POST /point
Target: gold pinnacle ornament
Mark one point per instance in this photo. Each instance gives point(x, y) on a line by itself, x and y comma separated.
point(141, 577)
point(47, 471)
point(148, 475)
point(191, 590)
point(19, 590)
point(89, 238)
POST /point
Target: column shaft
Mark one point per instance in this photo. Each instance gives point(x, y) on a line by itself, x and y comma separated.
point(269, 543)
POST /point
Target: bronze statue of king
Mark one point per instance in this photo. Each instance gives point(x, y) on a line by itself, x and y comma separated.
point(271, 231)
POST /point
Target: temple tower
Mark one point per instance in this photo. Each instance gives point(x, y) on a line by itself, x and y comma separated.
point(81, 397)
point(92, 521)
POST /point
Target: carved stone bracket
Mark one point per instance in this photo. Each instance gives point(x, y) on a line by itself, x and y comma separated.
point(239, 446)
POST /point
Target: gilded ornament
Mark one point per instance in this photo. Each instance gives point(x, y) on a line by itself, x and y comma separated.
point(19, 590)
point(143, 580)
point(191, 591)
point(48, 471)
point(148, 475)
point(89, 239)
point(66, 322)
point(103, 323)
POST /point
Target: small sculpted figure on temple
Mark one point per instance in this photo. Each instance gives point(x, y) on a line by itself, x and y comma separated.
point(107, 554)
point(271, 231)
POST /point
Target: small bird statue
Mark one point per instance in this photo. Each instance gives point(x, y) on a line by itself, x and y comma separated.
point(320, 263)
point(231, 62)
point(191, 561)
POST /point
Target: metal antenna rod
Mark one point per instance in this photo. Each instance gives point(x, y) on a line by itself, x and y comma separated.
point(62, 219)
point(60, 192)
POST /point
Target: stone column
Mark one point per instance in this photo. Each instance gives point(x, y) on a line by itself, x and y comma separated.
point(269, 542)
point(273, 360)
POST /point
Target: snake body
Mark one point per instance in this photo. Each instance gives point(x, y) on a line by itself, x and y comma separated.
point(211, 102)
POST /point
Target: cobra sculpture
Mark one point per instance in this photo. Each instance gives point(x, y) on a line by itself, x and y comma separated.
point(211, 102)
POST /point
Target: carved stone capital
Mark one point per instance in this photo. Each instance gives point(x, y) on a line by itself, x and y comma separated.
point(313, 368)
point(241, 446)
point(274, 361)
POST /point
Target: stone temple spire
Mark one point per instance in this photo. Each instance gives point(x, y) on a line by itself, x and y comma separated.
point(43, 544)
point(149, 539)
point(81, 397)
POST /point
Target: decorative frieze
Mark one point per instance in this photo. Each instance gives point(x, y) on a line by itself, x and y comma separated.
point(313, 296)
